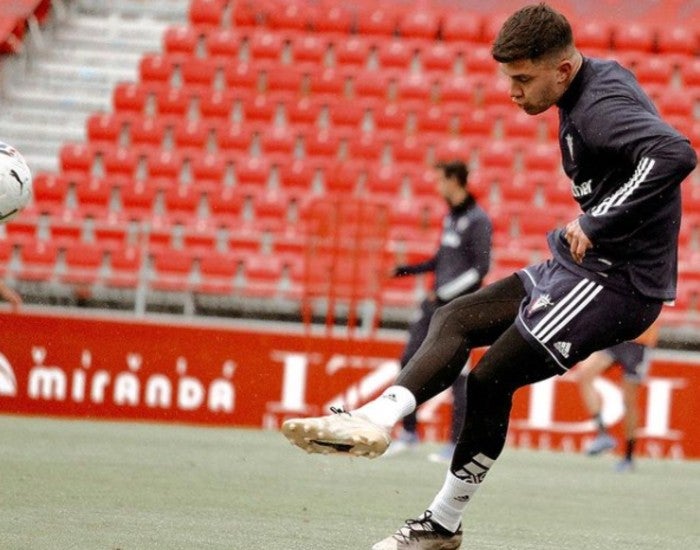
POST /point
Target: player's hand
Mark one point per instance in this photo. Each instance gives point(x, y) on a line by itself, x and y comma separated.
point(578, 241)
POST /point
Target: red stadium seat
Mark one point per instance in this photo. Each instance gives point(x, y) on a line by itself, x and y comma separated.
point(200, 237)
point(157, 68)
point(308, 48)
point(477, 123)
point(415, 86)
point(294, 15)
point(138, 199)
point(252, 171)
point(592, 35)
point(410, 149)
point(208, 170)
point(283, 78)
point(172, 270)
point(395, 53)
point(265, 45)
point(173, 103)
point(352, 51)
point(206, 13)
point(543, 157)
point(303, 111)
point(191, 135)
point(82, 264)
point(163, 164)
point(343, 177)
point(278, 139)
point(226, 206)
point(51, 189)
point(181, 39)
point(94, 195)
point(328, 81)
point(376, 20)
point(263, 275)
point(419, 23)
point(389, 116)
point(38, 261)
point(462, 27)
point(676, 103)
point(297, 175)
point(438, 57)
point(677, 39)
point(125, 264)
point(497, 154)
point(334, 18)
point(436, 119)
point(76, 157)
point(375, 84)
point(119, 160)
point(235, 137)
point(385, 182)
point(348, 114)
point(690, 73)
point(365, 146)
point(104, 127)
point(129, 96)
point(633, 36)
point(218, 273)
point(23, 229)
point(148, 131)
point(478, 60)
point(216, 104)
point(182, 202)
point(201, 74)
point(111, 231)
point(224, 43)
point(259, 108)
point(322, 143)
point(457, 89)
point(654, 69)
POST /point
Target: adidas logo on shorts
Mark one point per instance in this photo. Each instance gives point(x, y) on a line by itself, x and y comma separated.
point(564, 348)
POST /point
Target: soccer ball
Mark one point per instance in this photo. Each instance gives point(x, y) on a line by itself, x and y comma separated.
point(15, 183)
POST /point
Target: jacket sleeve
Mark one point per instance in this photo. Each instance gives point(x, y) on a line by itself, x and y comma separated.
point(662, 158)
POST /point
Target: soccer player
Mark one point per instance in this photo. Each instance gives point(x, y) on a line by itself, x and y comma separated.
point(611, 270)
point(460, 264)
point(633, 357)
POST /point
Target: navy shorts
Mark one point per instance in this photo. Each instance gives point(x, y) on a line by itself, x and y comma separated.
point(568, 317)
point(632, 357)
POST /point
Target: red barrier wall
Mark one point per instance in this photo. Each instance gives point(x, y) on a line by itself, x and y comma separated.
point(246, 376)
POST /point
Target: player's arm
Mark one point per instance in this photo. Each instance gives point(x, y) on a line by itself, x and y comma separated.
point(477, 247)
point(415, 269)
point(662, 159)
point(10, 296)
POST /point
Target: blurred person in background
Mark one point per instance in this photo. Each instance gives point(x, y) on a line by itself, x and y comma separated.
point(633, 358)
point(460, 265)
point(12, 297)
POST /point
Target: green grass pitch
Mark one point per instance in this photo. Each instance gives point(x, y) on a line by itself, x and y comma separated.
point(136, 486)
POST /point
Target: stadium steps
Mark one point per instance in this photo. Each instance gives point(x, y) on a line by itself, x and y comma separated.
point(70, 70)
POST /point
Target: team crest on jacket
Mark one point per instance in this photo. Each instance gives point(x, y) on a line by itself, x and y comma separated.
point(542, 302)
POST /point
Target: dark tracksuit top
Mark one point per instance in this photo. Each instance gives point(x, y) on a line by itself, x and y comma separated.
point(626, 165)
point(464, 255)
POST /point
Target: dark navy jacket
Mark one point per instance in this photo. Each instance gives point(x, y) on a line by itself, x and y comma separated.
point(464, 255)
point(626, 165)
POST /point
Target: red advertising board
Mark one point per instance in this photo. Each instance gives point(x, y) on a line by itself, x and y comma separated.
point(252, 375)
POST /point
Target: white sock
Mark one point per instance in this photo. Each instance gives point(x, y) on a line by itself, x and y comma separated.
point(390, 407)
point(449, 504)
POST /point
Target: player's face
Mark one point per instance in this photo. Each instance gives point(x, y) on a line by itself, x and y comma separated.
point(534, 87)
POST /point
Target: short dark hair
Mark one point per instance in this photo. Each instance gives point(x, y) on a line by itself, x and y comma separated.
point(456, 169)
point(532, 32)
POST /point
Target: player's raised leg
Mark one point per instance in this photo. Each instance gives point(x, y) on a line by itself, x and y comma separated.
point(455, 329)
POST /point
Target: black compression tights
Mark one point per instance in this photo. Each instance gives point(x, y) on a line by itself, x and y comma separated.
point(483, 318)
